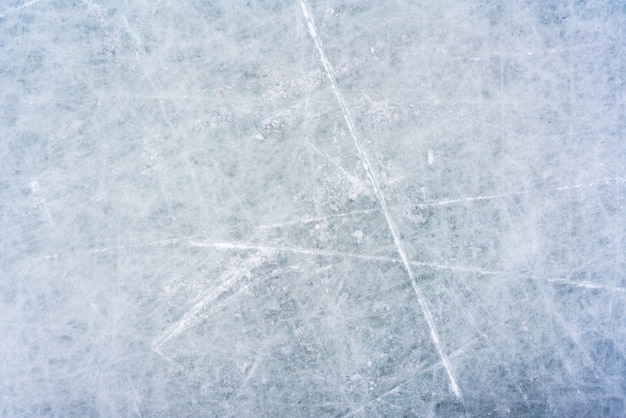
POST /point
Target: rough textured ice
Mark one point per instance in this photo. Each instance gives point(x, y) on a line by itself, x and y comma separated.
point(312, 208)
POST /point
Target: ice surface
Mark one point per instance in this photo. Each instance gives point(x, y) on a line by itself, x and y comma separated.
point(312, 208)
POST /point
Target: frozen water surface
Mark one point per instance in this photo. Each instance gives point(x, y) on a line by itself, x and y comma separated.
point(312, 208)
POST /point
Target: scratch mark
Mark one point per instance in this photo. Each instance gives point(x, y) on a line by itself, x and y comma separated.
point(319, 218)
point(354, 180)
point(132, 31)
point(481, 334)
point(228, 279)
point(520, 193)
point(267, 248)
point(377, 399)
point(194, 315)
point(137, 403)
point(461, 269)
point(379, 195)
point(241, 246)
point(272, 249)
point(248, 374)
point(593, 258)
point(20, 7)
point(587, 285)
point(162, 242)
point(602, 166)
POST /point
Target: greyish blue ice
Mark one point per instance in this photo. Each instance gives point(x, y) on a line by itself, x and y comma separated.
point(312, 208)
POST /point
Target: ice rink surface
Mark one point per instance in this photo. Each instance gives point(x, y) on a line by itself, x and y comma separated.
point(312, 208)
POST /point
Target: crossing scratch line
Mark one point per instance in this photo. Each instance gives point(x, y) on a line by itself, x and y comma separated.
point(379, 195)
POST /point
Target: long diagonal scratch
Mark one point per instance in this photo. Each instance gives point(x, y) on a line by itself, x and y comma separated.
point(208, 303)
point(229, 279)
point(379, 195)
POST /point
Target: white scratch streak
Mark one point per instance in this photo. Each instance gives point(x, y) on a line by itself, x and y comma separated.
point(587, 285)
point(520, 193)
point(266, 248)
point(379, 195)
point(228, 279)
point(319, 218)
point(20, 7)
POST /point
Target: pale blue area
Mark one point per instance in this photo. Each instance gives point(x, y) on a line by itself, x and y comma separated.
point(187, 227)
